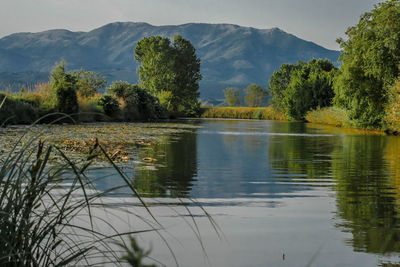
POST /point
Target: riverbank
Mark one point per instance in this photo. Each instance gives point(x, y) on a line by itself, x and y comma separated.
point(331, 116)
point(264, 113)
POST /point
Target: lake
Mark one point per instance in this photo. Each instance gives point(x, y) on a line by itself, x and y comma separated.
point(282, 193)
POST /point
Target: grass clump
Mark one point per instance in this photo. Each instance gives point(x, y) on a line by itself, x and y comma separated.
point(266, 113)
point(329, 115)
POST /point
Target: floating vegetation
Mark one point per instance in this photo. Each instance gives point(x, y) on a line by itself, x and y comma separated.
point(120, 140)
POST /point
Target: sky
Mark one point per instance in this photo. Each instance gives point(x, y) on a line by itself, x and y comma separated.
point(319, 21)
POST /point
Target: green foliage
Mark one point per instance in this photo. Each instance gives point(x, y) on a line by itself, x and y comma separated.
point(310, 87)
point(299, 88)
point(392, 109)
point(65, 86)
point(279, 82)
point(109, 104)
point(370, 64)
point(17, 111)
point(167, 67)
point(138, 104)
point(329, 115)
point(255, 95)
point(232, 96)
point(88, 82)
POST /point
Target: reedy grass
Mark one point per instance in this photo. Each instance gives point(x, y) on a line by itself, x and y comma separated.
point(43, 204)
point(265, 113)
point(330, 115)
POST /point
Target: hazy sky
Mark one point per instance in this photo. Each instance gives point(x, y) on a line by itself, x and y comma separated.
point(320, 21)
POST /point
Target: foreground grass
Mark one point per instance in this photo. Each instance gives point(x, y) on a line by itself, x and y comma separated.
point(265, 113)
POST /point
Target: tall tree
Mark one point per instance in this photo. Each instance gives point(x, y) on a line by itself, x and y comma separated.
point(64, 85)
point(255, 95)
point(89, 82)
point(370, 64)
point(169, 71)
point(232, 96)
point(279, 82)
point(310, 87)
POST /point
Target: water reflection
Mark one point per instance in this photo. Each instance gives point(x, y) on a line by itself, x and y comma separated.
point(301, 157)
point(366, 195)
point(231, 162)
point(176, 167)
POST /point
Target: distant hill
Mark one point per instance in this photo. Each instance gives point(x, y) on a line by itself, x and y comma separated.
point(230, 55)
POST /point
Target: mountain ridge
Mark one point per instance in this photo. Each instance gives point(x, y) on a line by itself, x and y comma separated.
point(231, 55)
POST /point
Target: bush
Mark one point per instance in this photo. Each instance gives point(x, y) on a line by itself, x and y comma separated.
point(109, 104)
point(17, 111)
point(137, 103)
point(90, 109)
point(392, 108)
point(329, 115)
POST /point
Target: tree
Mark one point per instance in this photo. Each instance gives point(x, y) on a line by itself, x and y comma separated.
point(64, 85)
point(232, 96)
point(370, 64)
point(89, 82)
point(310, 87)
point(255, 95)
point(169, 70)
point(279, 82)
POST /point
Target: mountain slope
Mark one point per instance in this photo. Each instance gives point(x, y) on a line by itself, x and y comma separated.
point(230, 55)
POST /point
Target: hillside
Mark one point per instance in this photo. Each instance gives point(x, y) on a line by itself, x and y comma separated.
point(230, 55)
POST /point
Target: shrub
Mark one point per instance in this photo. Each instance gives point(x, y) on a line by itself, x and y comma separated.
point(109, 104)
point(392, 109)
point(17, 111)
point(329, 115)
point(138, 104)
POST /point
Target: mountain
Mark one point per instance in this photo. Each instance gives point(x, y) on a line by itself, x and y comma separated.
point(230, 55)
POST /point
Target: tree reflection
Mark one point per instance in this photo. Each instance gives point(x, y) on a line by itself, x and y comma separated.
point(366, 199)
point(301, 156)
point(176, 167)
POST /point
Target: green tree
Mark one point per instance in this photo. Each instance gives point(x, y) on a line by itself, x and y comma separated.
point(173, 68)
point(89, 82)
point(255, 95)
point(65, 86)
point(370, 64)
point(279, 82)
point(232, 96)
point(310, 87)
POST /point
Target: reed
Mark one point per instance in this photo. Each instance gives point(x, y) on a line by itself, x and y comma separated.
point(330, 115)
point(265, 113)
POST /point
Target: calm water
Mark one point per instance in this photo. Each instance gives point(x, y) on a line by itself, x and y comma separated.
point(284, 194)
